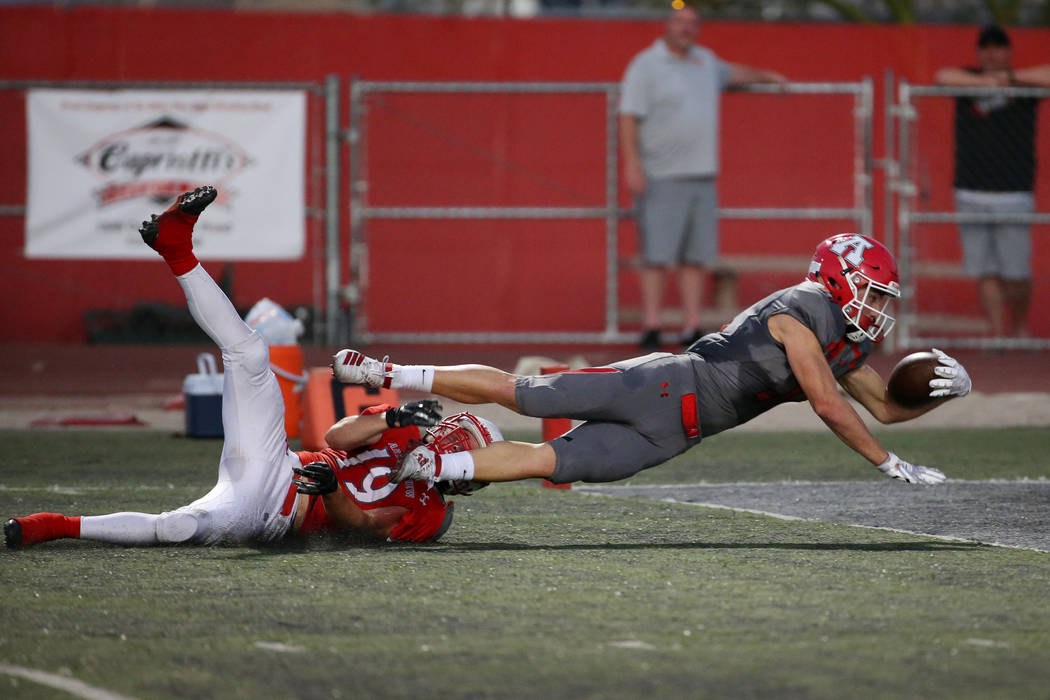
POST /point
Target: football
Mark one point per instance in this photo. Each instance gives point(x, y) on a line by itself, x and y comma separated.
point(909, 383)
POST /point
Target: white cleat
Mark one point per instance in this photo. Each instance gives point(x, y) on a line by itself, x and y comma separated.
point(418, 465)
point(353, 367)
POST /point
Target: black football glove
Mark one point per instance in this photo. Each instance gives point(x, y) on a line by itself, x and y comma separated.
point(424, 413)
point(315, 479)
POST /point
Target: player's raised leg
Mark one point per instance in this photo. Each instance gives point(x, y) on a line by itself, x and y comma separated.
point(171, 235)
point(472, 384)
point(255, 445)
point(252, 408)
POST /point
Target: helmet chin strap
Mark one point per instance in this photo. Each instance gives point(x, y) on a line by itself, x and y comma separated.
point(856, 335)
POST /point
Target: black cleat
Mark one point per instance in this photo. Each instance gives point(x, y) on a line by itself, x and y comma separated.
point(193, 203)
point(13, 534)
point(189, 203)
point(149, 230)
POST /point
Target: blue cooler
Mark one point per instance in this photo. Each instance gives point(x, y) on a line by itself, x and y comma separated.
point(202, 393)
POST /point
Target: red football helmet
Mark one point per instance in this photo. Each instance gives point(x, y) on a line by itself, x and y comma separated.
point(461, 432)
point(861, 276)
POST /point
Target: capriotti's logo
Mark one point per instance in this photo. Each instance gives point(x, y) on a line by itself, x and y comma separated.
point(160, 160)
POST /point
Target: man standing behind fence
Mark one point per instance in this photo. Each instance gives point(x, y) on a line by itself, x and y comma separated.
point(669, 110)
point(995, 174)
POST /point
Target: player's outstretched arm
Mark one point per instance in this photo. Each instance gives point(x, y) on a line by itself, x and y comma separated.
point(865, 385)
point(811, 369)
point(814, 376)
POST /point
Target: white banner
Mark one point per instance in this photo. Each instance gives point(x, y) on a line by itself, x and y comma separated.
point(100, 162)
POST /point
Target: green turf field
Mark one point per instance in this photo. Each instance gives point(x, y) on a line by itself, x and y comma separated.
point(532, 593)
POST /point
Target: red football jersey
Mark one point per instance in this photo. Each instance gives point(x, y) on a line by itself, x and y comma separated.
point(363, 477)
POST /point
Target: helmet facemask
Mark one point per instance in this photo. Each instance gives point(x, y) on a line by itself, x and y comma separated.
point(868, 312)
point(462, 432)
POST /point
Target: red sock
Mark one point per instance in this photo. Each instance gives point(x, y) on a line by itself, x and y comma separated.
point(175, 240)
point(41, 527)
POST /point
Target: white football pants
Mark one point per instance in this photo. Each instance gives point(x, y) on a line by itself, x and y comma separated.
point(255, 469)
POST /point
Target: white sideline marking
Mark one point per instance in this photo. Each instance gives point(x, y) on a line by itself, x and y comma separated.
point(988, 643)
point(794, 482)
point(77, 490)
point(632, 644)
point(280, 646)
point(70, 685)
point(781, 516)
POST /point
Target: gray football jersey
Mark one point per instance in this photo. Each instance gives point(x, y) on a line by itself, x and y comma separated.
point(745, 371)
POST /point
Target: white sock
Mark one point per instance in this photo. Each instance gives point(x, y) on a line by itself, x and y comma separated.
point(417, 377)
point(455, 466)
point(120, 528)
point(212, 309)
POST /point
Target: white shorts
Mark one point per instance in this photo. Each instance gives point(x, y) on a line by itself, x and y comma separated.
point(255, 470)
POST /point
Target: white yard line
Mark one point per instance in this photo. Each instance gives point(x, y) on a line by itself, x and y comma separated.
point(781, 516)
point(789, 482)
point(280, 647)
point(74, 490)
point(606, 490)
point(69, 685)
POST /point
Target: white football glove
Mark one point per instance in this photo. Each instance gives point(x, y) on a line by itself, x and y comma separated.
point(955, 380)
point(897, 468)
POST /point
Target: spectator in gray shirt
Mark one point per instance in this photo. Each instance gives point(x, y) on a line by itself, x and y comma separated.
point(669, 112)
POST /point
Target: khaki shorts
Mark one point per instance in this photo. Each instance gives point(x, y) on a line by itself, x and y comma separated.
point(996, 249)
point(678, 221)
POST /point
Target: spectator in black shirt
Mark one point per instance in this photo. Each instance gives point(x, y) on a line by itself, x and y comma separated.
point(995, 167)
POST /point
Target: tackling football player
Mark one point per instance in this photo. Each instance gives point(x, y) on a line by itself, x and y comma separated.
point(265, 491)
point(800, 343)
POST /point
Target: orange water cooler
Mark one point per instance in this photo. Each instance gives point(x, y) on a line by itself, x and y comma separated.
point(286, 361)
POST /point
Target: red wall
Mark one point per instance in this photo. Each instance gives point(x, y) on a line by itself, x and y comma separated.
point(534, 276)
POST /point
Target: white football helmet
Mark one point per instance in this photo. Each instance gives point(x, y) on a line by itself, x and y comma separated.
point(861, 276)
point(461, 432)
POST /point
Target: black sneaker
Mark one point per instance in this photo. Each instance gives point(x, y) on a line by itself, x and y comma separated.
point(650, 340)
